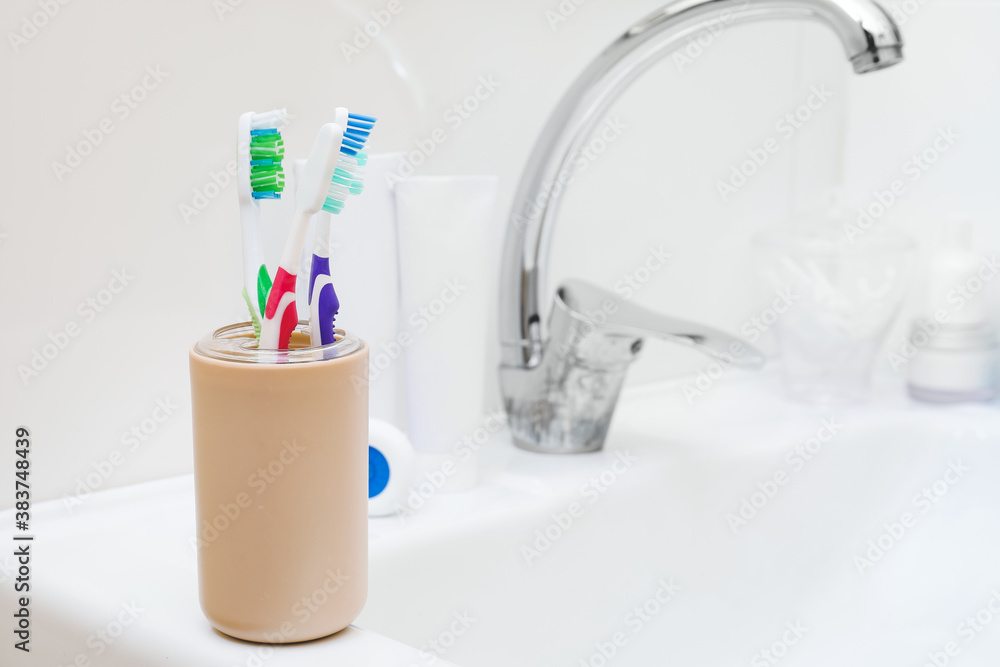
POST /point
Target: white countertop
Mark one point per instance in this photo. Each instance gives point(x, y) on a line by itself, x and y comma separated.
point(128, 552)
point(123, 565)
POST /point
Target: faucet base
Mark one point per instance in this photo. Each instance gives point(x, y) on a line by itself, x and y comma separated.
point(538, 449)
point(563, 406)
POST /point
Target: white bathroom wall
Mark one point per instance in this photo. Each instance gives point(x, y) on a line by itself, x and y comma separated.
point(947, 90)
point(123, 208)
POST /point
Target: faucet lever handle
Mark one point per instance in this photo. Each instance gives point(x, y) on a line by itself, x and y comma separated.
point(607, 312)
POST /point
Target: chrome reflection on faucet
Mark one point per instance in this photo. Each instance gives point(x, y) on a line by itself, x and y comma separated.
point(561, 382)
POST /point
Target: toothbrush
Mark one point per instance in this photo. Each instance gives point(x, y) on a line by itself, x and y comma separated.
point(280, 316)
point(347, 180)
point(260, 151)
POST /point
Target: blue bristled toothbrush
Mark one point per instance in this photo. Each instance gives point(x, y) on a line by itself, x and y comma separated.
point(347, 180)
point(311, 196)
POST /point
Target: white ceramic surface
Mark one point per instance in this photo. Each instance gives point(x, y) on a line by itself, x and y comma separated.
point(115, 584)
point(665, 519)
point(454, 578)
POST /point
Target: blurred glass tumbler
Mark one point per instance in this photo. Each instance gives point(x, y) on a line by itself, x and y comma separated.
point(281, 483)
point(840, 297)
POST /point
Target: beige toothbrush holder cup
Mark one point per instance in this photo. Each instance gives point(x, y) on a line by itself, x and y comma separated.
point(281, 483)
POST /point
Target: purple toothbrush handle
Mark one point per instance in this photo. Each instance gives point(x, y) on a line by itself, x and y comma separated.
point(328, 307)
point(329, 304)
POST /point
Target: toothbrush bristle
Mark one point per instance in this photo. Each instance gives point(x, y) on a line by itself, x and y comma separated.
point(346, 181)
point(359, 128)
point(333, 205)
point(353, 143)
point(267, 150)
point(348, 177)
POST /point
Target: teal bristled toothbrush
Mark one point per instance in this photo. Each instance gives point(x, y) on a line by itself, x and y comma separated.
point(311, 196)
point(347, 180)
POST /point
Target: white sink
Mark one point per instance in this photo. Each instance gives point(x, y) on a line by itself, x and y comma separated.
point(645, 570)
point(114, 584)
point(787, 582)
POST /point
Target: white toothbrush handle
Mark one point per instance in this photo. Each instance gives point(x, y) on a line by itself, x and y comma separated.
point(296, 239)
point(270, 328)
point(322, 245)
point(250, 218)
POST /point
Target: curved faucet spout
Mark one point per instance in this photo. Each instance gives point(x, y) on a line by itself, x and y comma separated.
point(871, 41)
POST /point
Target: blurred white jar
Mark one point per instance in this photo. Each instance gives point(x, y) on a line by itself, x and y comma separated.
point(954, 346)
point(954, 364)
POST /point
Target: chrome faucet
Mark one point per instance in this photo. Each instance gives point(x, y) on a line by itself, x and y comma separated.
point(561, 382)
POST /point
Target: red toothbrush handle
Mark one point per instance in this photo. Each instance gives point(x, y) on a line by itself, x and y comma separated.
point(284, 283)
